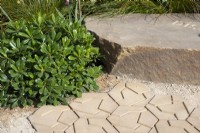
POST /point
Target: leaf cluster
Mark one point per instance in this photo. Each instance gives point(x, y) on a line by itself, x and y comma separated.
point(45, 60)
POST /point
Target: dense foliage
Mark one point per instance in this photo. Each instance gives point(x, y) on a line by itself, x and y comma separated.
point(45, 60)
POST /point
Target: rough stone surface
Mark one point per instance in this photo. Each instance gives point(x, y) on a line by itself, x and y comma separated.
point(103, 113)
point(160, 48)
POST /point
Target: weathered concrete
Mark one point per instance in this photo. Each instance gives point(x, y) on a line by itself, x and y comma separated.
point(159, 48)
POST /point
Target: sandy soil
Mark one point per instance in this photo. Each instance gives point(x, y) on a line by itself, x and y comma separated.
point(15, 121)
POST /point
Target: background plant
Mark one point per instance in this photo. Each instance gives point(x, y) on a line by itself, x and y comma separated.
point(25, 9)
point(112, 7)
point(45, 60)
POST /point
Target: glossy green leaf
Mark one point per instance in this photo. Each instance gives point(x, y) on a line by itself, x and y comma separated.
point(71, 58)
point(3, 78)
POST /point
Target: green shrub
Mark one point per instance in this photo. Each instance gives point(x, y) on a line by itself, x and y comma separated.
point(46, 60)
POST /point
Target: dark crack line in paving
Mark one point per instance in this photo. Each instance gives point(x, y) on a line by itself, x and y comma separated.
point(154, 116)
point(114, 101)
point(74, 112)
point(112, 125)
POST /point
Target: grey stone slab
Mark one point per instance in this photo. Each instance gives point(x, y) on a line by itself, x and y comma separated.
point(161, 31)
point(159, 48)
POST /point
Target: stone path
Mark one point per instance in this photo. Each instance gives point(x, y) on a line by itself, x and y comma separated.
point(130, 107)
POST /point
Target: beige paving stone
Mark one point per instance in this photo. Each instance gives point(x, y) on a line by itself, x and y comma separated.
point(70, 130)
point(42, 128)
point(195, 122)
point(160, 115)
point(49, 119)
point(137, 87)
point(149, 94)
point(196, 113)
point(143, 103)
point(161, 100)
point(100, 114)
point(168, 129)
point(103, 123)
point(194, 119)
point(143, 129)
point(123, 110)
point(81, 126)
point(177, 98)
point(94, 95)
point(177, 108)
point(124, 129)
point(162, 123)
point(58, 132)
point(153, 130)
point(147, 119)
point(130, 98)
point(60, 127)
point(90, 107)
point(108, 105)
point(82, 99)
point(189, 107)
point(115, 93)
point(129, 120)
point(46, 109)
point(68, 117)
point(183, 124)
point(45, 132)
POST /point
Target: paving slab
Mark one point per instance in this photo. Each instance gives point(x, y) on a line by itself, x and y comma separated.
point(194, 119)
point(178, 109)
point(68, 117)
point(100, 113)
point(183, 124)
point(70, 130)
point(137, 87)
point(159, 48)
point(103, 123)
point(147, 119)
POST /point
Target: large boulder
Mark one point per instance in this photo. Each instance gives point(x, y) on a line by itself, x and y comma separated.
point(159, 48)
